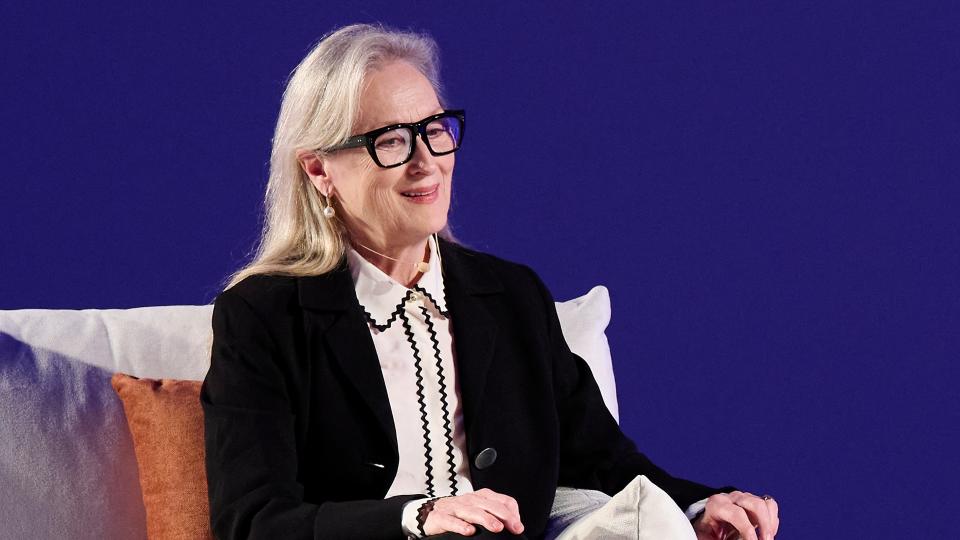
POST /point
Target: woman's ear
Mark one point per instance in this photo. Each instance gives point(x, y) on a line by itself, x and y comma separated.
point(316, 168)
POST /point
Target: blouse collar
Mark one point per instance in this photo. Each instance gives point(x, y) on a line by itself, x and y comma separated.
point(382, 298)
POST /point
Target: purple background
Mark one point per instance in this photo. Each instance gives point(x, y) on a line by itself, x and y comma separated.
point(769, 191)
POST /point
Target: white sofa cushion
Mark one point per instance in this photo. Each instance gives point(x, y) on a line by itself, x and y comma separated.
point(583, 321)
point(67, 467)
point(171, 342)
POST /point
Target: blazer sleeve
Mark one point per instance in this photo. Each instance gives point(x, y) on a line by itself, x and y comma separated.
point(594, 452)
point(251, 451)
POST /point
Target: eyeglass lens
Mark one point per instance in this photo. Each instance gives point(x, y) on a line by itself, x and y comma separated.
point(396, 146)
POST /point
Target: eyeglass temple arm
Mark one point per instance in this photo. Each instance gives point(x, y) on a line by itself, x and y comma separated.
point(352, 142)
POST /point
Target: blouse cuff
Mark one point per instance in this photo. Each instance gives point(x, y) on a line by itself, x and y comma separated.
point(694, 510)
point(409, 518)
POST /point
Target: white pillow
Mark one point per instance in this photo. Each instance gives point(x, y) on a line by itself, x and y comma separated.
point(642, 510)
point(171, 342)
point(584, 321)
point(67, 468)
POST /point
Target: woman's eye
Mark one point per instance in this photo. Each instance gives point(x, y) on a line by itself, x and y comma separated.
point(389, 142)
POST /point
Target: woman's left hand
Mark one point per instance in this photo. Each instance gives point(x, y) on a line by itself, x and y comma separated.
point(726, 514)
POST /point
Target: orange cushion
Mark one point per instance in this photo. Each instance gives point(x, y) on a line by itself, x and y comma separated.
point(166, 423)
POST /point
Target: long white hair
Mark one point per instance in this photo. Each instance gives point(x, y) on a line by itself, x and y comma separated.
point(320, 105)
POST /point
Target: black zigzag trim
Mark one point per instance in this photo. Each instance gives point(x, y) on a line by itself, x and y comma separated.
point(396, 311)
point(444, 404)
point(393, 316)
point(422, 401)
point(428, 295)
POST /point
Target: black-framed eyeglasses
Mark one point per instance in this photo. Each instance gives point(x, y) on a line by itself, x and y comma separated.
point(393, 145)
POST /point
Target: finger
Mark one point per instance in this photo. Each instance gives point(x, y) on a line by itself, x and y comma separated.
point(460, 508)
point(757, 512)
point(504, 507)
point(736, 516)
point(774, 510)
point(496, 508)
point(478, 516)
point(510, 518)
point(728, 532)
point(441, 522)
point(506, 500)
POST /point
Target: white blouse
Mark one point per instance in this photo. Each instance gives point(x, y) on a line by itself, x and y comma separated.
point(414, 342)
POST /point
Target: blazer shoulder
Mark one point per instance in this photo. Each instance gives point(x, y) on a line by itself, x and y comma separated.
point(263, 293)
point(510, 273)
point(470, 254)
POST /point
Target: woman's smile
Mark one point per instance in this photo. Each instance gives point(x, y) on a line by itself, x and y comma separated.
point(422, 195)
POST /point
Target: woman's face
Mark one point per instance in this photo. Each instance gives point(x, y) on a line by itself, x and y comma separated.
point(401, 205)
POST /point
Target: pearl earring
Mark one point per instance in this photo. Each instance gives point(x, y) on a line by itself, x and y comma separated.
point(328, 211)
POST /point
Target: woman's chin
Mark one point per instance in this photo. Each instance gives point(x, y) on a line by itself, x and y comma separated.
point(421, 231)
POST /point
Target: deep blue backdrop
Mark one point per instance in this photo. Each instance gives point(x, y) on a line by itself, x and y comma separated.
point(769, 190)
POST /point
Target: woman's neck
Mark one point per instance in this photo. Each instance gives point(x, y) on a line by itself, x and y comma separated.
point(399, 261)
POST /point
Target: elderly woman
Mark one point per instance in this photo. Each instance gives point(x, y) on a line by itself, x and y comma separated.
point(371, 378)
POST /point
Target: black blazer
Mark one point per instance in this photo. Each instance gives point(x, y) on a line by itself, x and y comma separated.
point(300, 440)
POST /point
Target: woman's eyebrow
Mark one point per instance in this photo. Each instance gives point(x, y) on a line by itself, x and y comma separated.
point(395, 121)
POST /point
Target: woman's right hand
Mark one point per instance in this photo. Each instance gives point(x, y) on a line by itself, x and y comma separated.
point(460, 514)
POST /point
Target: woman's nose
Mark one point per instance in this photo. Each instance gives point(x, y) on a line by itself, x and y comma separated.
point(422, 158)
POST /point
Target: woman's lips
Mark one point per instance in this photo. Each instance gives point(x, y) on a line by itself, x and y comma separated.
point(422, 195)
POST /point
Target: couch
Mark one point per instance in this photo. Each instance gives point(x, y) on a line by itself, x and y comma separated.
point(67, 463)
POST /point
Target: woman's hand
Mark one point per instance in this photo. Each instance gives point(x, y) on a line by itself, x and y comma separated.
point(727, 514)
point(461, 513)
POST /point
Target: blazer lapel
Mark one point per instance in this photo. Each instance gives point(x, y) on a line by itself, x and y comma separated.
point(337, 321)
point(467, 285)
